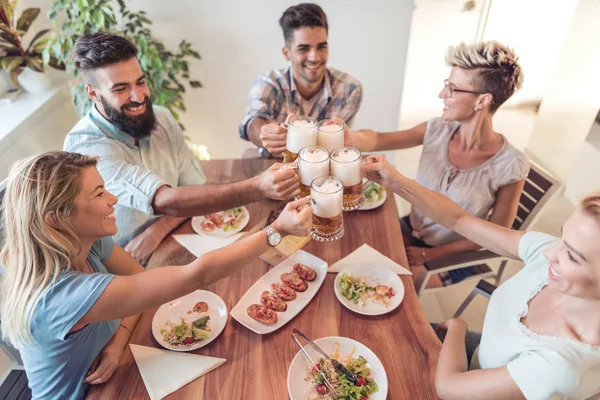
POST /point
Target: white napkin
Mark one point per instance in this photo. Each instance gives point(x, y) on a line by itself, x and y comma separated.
point(199, 245)
point(166, 371)
point(367, 254)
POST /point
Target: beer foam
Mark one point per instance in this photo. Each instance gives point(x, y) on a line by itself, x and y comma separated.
point(314, 155)
point(330, 128)
point(328, 186)
point(302, 123)
point(346, 155)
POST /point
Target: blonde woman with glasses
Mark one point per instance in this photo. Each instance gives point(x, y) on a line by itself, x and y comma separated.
point(463, 156)
point(541, 334)
point(70, 297)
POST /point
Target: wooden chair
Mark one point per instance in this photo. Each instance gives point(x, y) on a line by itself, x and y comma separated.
point(539, 188)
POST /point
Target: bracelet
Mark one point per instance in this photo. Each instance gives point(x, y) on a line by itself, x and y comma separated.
point(126, 328)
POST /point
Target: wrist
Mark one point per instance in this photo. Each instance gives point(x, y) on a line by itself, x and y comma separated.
point(277, 226)
point(457, 324)
point(256, 186)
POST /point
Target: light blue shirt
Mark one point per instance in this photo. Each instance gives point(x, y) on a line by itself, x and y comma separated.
point(58, 362)
point(133, 172)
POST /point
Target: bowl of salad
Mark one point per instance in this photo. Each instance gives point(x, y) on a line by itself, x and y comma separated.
point(375, 196)
point(305, 381)
point(190, 322)
point(222, 223)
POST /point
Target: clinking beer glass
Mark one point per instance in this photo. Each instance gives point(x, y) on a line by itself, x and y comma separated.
point(328, 219)
point(345, 165)
point(313, 162)
point(301, 132)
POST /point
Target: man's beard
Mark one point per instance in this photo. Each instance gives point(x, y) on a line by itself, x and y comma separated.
point(138, 126)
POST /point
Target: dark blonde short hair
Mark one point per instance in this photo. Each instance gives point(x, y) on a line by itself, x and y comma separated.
point(499, 71)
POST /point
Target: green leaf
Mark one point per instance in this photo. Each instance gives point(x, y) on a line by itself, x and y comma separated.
point(34, 64)
point(11, 38)
point(10, 63)
point(54, 63)
point(36, 37)
point(46, 56)
point(40, 45)
point(28, 16)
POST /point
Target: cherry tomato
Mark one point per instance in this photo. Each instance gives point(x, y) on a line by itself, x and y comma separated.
point(188, 340)
point(360, 381)
point(316, 369)
point(363, 398)
point(321, 389)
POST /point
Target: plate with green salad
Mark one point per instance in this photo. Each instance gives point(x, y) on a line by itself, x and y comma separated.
point(369, 289)
point(305, 381)
point(375, 196)
point(190, 322)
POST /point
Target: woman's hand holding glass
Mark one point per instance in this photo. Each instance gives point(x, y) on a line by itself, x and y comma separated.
point(295, 219)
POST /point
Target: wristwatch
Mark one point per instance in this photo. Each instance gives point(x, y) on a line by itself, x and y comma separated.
point(273, 237)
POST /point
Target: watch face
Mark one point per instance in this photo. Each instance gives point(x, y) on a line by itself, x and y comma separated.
point(274, 238)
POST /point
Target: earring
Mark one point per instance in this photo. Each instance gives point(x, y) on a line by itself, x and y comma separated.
point(476, 108)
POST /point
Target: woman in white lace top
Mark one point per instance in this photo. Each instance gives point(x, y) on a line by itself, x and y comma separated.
point(541, 334)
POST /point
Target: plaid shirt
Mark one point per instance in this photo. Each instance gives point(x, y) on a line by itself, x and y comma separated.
point(274, 96)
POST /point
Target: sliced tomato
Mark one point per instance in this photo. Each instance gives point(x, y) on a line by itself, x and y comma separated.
point(316, 369)
point(360, 381)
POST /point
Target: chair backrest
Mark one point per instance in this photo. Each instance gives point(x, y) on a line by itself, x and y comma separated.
point(539, 188)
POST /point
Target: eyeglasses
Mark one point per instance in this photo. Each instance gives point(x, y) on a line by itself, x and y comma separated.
point(453, 90)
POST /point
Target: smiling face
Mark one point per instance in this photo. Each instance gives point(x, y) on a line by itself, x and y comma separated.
point(308, 51)
point(121, 94)
point(461, 106)
point(94, 216)
point(575, 258)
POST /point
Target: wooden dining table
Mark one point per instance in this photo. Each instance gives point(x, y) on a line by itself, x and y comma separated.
point(257, 365)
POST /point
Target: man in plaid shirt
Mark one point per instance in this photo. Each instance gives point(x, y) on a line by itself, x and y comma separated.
point(307, 87)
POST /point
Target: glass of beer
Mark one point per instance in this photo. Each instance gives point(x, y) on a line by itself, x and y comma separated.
point(328, 219)
point(302, 132)
point(330, 135)
point(313, 163)
point(345, 165)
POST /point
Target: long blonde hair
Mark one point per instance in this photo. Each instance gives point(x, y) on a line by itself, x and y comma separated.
point(35, 253)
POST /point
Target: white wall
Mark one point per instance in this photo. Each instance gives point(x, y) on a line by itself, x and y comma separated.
point(536, 29)
point(240, 40)
point(571, 102)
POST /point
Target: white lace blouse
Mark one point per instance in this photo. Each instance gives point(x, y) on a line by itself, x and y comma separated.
point(544, 367)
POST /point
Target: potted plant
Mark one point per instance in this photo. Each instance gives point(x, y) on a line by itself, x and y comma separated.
point(167, 71)
point(25, 64)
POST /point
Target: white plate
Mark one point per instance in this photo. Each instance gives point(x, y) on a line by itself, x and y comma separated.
point(300, 389)
point(375, 274)
point(376, 204)
point(174, 310)
point(252, 296)
point(219, 232)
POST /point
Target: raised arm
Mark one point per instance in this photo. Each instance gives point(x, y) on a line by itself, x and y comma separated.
point(129, 295)
point(187, 201)
point(367, 140)
point(503, 214)
point(439, 208)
